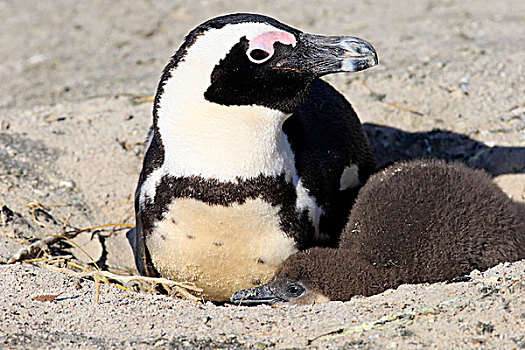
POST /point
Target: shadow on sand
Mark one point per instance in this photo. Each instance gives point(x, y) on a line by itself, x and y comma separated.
point(391, 144)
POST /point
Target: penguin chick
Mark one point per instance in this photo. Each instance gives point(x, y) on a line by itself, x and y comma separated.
point(251, 157)
point(414, 222)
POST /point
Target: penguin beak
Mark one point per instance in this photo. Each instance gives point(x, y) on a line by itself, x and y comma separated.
point(321, 55)
point(255, 296)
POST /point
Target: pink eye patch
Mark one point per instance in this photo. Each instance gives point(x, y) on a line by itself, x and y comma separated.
point(266, 40)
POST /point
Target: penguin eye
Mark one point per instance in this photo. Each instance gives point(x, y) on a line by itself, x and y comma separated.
point(294, 290)
point(258, 55)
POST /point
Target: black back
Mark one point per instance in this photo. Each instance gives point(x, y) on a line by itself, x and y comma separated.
point(326, 135)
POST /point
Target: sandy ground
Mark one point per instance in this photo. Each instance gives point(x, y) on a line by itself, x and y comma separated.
point(450, 84)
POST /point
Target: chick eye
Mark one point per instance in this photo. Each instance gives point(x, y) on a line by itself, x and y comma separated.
point(258, 56)
point(294, 290)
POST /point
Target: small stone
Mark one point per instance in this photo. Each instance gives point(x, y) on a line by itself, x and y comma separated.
point(482, 328)
point(66, 184)
point(37, 59)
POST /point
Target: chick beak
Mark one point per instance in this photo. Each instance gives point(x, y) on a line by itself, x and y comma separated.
point(255, 296)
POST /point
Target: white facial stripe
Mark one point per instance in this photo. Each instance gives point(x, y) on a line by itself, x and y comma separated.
point(193, 74)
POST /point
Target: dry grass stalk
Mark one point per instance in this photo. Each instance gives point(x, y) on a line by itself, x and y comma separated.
point(182, 288)
point(32, 250)
point(404, 108)
point(381, 97)
point(139, 100)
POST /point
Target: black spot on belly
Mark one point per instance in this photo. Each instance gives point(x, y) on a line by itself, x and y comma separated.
point(274, 190)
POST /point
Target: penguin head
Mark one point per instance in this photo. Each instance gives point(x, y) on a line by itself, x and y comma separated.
point(313, 275)
point(247, 59)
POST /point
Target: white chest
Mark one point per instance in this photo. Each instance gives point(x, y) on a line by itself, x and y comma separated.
point(225, 143)
point(221, 249)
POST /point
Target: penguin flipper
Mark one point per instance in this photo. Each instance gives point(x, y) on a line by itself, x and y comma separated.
point(130, 236)
point(143, 261)
point(326, 137)
point(135, 239)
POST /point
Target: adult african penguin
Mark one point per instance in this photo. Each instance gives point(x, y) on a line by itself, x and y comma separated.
point(251, 157)
point(414, 222)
